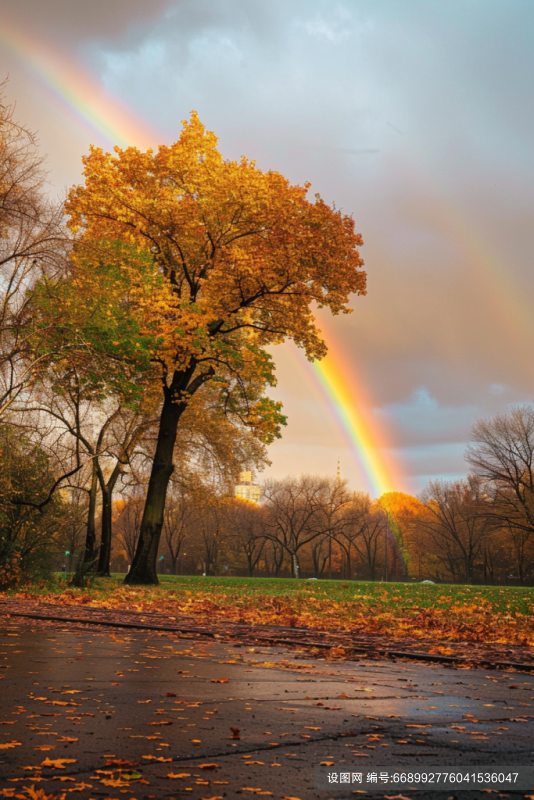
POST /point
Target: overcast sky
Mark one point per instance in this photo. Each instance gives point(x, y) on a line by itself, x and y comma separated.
point(416, 118)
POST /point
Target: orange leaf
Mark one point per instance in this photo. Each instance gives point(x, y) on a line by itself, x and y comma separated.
point(58, 763)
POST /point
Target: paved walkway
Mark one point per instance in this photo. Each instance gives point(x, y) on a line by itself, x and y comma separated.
point(114, 714)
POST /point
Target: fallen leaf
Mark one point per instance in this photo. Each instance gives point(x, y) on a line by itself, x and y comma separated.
point(396, 797)
point(179, 775)
point(9, 745)
point(114, 782)
point(58, 763)
point(235, 733)
point(219, 680)
point(134, 775)
point(157, 758)
point(208, 766)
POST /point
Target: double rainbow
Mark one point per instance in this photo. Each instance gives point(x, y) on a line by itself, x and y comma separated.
point(84, 100)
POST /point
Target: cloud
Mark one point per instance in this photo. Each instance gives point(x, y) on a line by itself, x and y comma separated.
point(422, 417)
point(414, 117)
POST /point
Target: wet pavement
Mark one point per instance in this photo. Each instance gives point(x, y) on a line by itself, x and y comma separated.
point(108, 714)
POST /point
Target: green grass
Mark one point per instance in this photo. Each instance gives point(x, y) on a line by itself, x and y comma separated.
point(502, 599)
point(393, 597)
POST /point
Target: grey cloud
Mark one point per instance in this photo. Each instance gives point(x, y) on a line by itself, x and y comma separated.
point(413, 116)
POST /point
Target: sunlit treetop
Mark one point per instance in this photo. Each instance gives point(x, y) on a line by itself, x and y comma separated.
point(240, 257)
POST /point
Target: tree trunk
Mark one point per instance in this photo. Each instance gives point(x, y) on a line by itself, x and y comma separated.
point(104, 554)
point(296, 566)
point(144, 566)
point(90, 539)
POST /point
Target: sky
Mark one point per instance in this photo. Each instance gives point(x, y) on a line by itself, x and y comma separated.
point(416, 118)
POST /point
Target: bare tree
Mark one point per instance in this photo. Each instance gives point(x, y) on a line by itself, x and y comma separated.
point(180, 515)
point(246, 524)
point(32, 245)
point(457, 523)
point(93, 435)
point(128, 523)
point(358, 531)
point(296, 513)
point(501, 452)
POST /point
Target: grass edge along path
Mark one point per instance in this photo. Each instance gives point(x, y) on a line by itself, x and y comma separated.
point(477, 614)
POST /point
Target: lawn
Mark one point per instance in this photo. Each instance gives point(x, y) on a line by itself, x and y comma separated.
point(502, 615)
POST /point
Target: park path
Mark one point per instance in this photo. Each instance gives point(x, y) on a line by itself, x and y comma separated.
point(343, 643)
point(97, 712)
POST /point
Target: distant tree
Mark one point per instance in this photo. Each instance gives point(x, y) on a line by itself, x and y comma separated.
point(295, 508)
point(355, 535)
point(233, 261)
point(368, 529)
point(457, 523)
point(501, 452)
point(128, 523)
point(181, 515)
point(404, 513)
point(246, 526)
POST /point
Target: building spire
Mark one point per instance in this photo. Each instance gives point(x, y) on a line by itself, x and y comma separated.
point(338, 476)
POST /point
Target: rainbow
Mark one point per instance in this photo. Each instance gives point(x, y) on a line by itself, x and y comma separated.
point(340, 388)
point(76, 92)
point(89, 105)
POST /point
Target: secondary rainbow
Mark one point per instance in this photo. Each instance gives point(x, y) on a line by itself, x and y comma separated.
point(79, 95)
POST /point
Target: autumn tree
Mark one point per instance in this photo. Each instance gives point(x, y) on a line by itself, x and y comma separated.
point(404, 512)
point(238, 257)
point(332, 520)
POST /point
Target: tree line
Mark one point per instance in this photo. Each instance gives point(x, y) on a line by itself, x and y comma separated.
point(134, 321)
point(476, 530)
